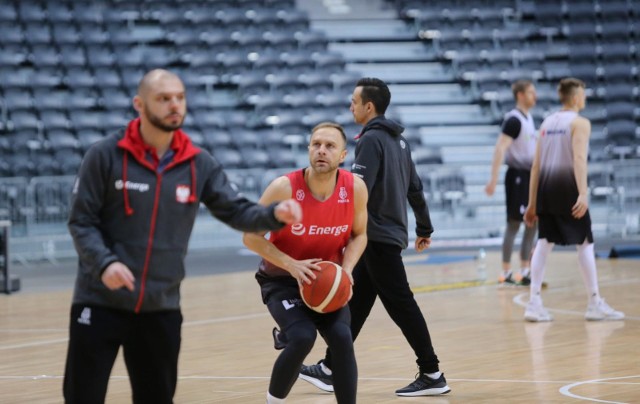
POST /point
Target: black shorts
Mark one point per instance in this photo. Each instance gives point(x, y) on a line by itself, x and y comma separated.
point(282, 297)
point(565, 229)
point(516, 188)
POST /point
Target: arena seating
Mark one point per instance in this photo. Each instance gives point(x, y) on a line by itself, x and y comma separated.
point(259, 75)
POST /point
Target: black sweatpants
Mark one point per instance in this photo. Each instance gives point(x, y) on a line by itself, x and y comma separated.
point(380, 272)
point(151, 344)
point(299, 323)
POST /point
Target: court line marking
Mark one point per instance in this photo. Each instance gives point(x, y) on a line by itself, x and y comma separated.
point(566, 383)
point(450, 286)
point(225, 319)
point(34, 330)
point(34, 344)
point(566, 390)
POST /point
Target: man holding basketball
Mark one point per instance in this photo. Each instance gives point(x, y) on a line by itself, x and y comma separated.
point(331, 198)
point(383, 161)
point(133, 207)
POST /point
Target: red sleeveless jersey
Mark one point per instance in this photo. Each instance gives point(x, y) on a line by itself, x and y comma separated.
point(326, 226)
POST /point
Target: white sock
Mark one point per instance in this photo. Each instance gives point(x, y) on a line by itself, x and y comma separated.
point(273, 400)
point(587, 261)
point(536, 299)
point(325, 369)
point(538, 262)
point(525, 272)
point(434, 376)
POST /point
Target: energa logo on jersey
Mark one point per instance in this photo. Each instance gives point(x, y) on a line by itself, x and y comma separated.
point(300, 229)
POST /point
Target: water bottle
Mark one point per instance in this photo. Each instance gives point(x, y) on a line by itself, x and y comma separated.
point(482, 265)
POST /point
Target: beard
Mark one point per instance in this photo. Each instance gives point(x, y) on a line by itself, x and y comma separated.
point(325, 168)
point(156, 121)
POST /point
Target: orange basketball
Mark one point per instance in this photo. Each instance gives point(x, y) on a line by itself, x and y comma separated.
point(330, 291)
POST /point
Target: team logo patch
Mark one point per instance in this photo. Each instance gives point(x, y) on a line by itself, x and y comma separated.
point(85, 316)
point(291, 303)
point(182, 193)
point(298, 229)
point(300, 195)
point(343, 195)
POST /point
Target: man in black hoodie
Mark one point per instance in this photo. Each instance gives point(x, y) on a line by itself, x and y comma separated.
point(133, 207)
point(383, 161)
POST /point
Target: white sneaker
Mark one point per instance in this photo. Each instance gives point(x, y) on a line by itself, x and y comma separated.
point(536, 313)
point(600, 310)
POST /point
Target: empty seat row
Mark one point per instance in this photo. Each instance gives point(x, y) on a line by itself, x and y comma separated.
point(230, 12)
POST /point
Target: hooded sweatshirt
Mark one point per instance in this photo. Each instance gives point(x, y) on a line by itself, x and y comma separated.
point(383, 161)
point(124, 208)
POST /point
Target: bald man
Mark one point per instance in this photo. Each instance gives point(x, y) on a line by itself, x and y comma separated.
point(133, 206)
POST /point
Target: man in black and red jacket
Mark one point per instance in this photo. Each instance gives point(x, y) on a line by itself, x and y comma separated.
point(133, 208)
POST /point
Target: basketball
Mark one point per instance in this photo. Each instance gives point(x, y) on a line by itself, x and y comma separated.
point(330, 291)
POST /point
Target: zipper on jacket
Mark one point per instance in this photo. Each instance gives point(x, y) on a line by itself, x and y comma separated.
point(152, 230)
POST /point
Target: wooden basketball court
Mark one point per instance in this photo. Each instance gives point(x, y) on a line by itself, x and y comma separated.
point(488, 353)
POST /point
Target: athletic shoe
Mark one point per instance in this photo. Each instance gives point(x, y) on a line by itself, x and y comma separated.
point(526, 281)
point(316, 376)
point(279, 339)
point(536, 313)
point(425, 386)
point(507, 280)
point(600, 310)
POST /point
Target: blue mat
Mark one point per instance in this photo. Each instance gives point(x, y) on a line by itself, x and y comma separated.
point(443, 259)
point(629, 251)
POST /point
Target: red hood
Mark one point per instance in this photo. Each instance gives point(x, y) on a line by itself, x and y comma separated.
point(133, 143)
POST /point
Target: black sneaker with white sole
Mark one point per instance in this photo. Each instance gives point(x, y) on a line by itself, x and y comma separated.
point(425, 386)
point(316, 376)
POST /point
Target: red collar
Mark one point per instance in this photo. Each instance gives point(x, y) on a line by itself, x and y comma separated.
point(134, 144)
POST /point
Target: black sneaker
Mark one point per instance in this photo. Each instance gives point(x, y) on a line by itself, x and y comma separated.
point(279, 339)
point(526, 281)
point(316, 376)
point(506, 281)
point(425, 386)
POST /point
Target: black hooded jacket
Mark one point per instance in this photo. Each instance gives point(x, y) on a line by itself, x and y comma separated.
point(383, 161)
point(123, 209)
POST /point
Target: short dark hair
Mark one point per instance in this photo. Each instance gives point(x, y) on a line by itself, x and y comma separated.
point(331, 125)
point(375, 91)
point(567, 88)
point(520, 86)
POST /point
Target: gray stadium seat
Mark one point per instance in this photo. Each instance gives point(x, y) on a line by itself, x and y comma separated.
point(228, 158)
point(71, 55)
point(214, 139)
point(255, 158)
point(31, 12)
point(52, 119)
point(64, 34)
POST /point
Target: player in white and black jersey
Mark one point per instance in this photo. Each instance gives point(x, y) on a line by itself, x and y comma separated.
point(559, 200)
point(516, 146)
